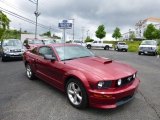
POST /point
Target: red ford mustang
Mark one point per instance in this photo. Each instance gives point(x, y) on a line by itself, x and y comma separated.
point(87, 80)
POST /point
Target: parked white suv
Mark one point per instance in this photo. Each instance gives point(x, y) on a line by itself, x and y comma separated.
point(98, 44)
point(148, 47)
point(121, 46)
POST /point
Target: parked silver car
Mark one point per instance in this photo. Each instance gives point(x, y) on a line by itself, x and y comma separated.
point(11, 49)
point(148, 47)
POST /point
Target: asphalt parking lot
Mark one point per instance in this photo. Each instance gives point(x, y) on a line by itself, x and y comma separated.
point(22, 99)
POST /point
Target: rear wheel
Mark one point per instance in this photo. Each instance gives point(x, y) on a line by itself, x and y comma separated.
point(106, 48)
point(76, 93)
point(29, 72)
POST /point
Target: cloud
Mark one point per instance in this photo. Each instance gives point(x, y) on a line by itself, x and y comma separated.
point(91, 13)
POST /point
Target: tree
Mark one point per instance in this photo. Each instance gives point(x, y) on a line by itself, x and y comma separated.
point(4, 23)
point(100, 33)
point(150, 32)
point(48, 33)
point(88, 39)
point(117, 33)
point(156, 34)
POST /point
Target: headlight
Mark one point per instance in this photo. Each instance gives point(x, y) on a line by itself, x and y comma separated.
point(153, 48)
point(119, 82)
point(6, 50)
point(104, 84)
point(134, 75)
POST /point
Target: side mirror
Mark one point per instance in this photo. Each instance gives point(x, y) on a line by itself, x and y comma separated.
point(49, 57)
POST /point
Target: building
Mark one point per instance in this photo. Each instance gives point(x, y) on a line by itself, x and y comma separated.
point(142, 25)
point(127, 35)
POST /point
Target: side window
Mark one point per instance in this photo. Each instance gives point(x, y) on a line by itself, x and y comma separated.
point(95, 42)
point(99, 41)
point(34, 51)
point(45, 51)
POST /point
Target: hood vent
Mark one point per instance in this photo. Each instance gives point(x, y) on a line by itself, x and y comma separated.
point(102, 60)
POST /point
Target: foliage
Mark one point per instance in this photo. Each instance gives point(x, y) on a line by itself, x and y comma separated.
point(117, 33)
point(48, 33)
point(151, 32)
point(4, 23)
point(15, 34)
point(100, 33)
point(88, 39)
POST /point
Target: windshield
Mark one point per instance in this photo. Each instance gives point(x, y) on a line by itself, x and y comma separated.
point(73, 52)
point(122, 43)
point(148, 42)
point(35, 42)
point(11, 42)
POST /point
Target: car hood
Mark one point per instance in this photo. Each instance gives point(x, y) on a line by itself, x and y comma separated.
point(104, 68)
point(13, 47)
point(147, 46)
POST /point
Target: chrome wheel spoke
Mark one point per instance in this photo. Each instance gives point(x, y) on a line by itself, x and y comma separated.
point(79, 97)
point(70, 92)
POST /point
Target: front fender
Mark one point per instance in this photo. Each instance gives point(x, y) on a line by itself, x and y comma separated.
point(79, 75)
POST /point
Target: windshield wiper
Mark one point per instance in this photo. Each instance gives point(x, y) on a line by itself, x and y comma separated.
point(84, 56)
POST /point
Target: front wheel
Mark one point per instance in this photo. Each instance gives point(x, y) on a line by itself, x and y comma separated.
point(3, 59)
point(76, 93)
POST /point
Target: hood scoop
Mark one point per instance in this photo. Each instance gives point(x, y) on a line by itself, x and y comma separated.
point(102, 60)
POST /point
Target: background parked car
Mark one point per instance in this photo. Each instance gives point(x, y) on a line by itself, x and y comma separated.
point(121, 46)
point(148, 47)
point(31, 43)
point(11, 49)
point(78, 42)
point(48, 41)
point(98, 44)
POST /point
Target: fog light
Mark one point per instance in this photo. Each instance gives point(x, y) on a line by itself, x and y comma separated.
point(119, 82)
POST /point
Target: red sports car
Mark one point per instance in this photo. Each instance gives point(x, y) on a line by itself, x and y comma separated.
point(85, 78)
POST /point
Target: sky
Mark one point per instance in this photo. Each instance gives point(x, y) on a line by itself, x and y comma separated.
point(87, 14)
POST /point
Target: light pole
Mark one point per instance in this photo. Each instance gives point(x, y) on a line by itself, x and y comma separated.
point(36, 14)
point(87, 33)
point(73, 27)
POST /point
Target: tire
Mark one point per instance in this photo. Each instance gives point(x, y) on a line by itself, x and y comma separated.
point(126, 50)
point(155, 53)
point(139, 53)
point(89, 46)
point(3, 59)
point(29, 72)
point(76, 94)
point(106, 48)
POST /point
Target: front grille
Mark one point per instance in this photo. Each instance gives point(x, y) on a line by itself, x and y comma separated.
point(16, 50)
point(126, 80)
point(146, 48)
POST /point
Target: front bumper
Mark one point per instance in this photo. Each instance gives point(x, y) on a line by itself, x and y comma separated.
point(13, 55)
point(113, 98)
